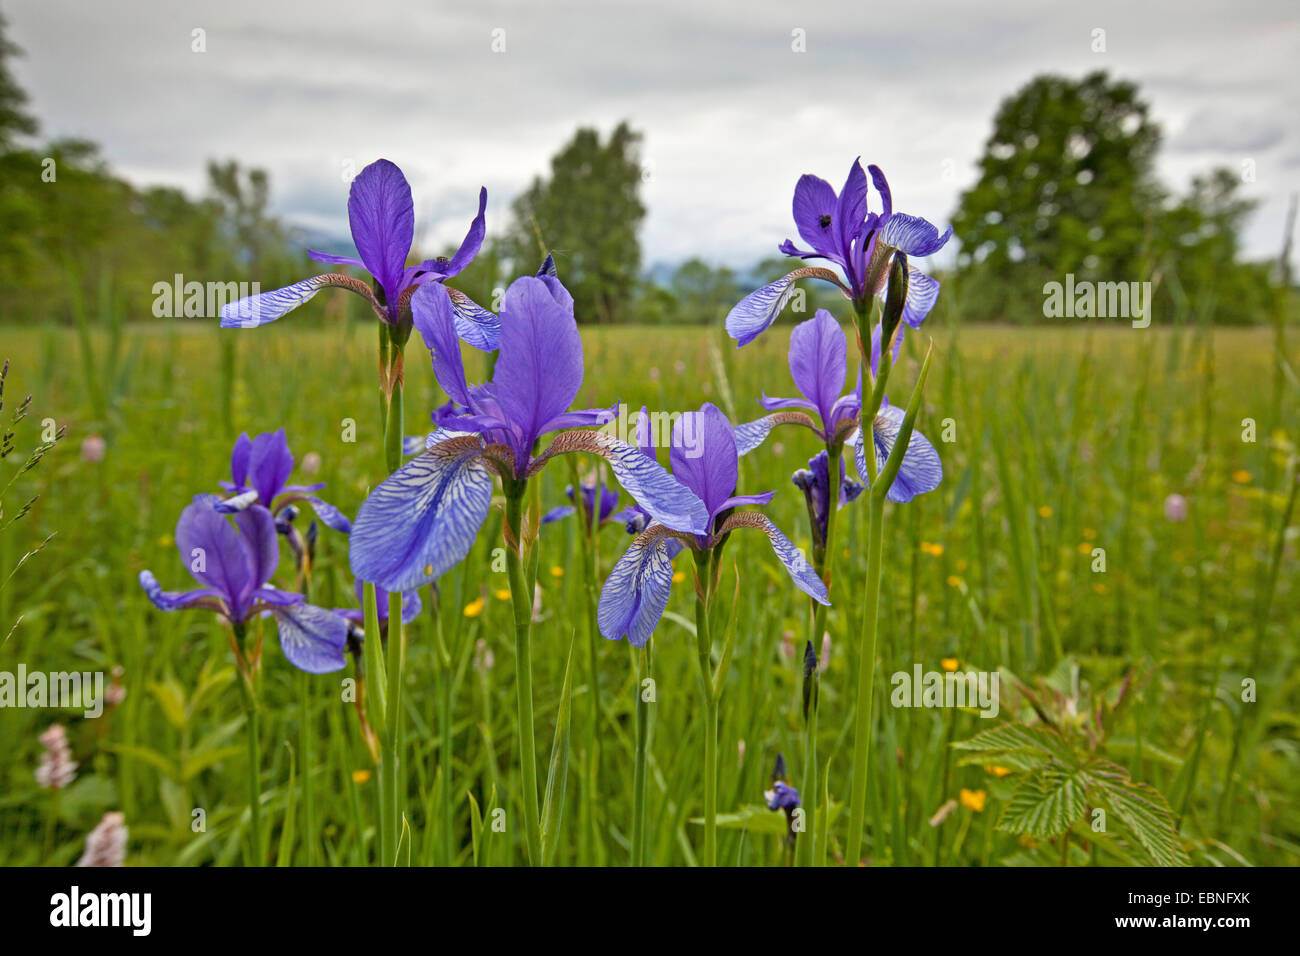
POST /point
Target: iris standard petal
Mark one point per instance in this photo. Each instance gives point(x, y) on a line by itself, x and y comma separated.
point(422, 520)
point(312, 638)
point(239, 458)
point(382, 218)
point(796, 565)
point(703, 455)
point(270, 464)
point(434, 316)
point(539, 367)
point(211, 549)
point(819, 360)
point(635, 594)
point(473, 241)
point(913, 235)
point(262, 547)
point(882, 186)
point(851, 209)
point(815, 216)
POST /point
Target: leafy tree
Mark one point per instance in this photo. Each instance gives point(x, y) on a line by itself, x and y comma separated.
point(1066, 180)
point(587, 214)
point(1067, 185)
point(14, 119)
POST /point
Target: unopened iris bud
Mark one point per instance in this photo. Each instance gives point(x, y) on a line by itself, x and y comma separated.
point(895, 300)
point(810, 682)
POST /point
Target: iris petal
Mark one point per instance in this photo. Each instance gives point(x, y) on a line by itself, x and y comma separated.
point(312, 638)
point(422, 520)
point(636, 592)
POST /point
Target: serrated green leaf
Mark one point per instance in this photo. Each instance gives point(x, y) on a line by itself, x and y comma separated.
point(1143, 809)
point(1046, 802)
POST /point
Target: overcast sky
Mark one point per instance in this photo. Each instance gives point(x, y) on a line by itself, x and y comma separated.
point(732, 115)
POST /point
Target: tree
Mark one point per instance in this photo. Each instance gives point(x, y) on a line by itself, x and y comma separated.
point(14, 119)
point(587, 214)
point(1066, 180)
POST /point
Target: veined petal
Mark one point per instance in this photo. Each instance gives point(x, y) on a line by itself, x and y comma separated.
point(266, 307)
point(922, 293)
point(422, 520)
point(475, 324)
point(662, 496)
point(921, 470)
point(752, 434)
point(756, 312)
point(635, 594)
point(382, 218)
point(312, 638)
point(796, 565)
point(914, 235)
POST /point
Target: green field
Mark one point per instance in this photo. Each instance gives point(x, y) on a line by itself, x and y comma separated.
point(1065, 440)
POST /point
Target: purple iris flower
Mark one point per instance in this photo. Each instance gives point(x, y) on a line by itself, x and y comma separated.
point(921, 469)
point(815, 482)
point(635, 594)
point(382, 218)
point(818, 360)
point(598, 502)
point(259, 473)
point(782, 796)
point(422, 520)
point(840, 229)
point(234, 563)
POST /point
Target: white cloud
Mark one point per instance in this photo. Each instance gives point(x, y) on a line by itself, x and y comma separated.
point(731, 114)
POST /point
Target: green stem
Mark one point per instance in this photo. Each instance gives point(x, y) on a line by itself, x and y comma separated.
point(866, 677)
point(254, 776)
point(639, 766)
point(522, 600)
point(392, 737)
point(445, 733)
point(307, 745)
point(704, 648)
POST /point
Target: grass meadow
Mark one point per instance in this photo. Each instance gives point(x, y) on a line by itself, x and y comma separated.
point(1171, 656)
